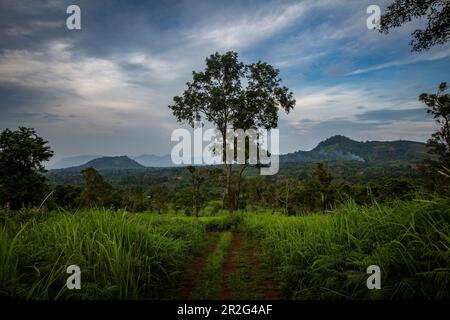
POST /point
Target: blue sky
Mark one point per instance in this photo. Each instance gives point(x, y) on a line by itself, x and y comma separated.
point(105, 89)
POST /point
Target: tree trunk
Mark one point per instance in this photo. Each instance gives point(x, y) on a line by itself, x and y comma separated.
point(287, 197)
point(238, 188)
point(229, 197)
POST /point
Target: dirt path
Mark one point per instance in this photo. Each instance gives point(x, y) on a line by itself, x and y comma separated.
point(230, 266)
point(192, 280)
point(245, 276)
point(267, 286)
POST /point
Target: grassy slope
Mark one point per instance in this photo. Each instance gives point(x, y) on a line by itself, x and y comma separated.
point(121, 255)
point(326, 256)
point(129, 256)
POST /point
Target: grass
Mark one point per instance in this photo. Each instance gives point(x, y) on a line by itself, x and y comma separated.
point(326, 256)
point(252, 278)
point(144, 256)
point(209, 282)
point(121, 255)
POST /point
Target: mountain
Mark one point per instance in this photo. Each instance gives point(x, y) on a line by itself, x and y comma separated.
point(72, 161)
point(335, 148)
point(109, 163)
point(342, 148)
point(150, 160)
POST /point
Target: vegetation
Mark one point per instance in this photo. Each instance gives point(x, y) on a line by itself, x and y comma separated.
point(326, 256)
point(438, 168)
point(148, 255)
point(235, 96)
point(437, 14)
point(22, 153)
point(146, 233)
point(211, 273)
point(120, 255)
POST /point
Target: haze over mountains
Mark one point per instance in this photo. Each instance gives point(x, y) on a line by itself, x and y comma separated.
point(334, 148)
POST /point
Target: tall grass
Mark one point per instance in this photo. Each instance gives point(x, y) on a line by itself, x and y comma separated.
point(121, 255)
point(326, 256)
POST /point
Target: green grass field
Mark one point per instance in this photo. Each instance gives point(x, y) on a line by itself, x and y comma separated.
point(243, 256)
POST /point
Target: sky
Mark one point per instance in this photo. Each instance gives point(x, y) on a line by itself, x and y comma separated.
point(105, 89)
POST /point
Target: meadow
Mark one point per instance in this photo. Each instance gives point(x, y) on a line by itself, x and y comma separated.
point(244, 255)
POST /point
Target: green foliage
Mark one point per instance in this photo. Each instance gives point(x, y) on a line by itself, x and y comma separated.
point(121, 255)
point(159, 195)
point(341, 148)
point(67, 196)
point(211, 274)
point(323, 180)
point(135, 200)
point(22, 153)
point(438, 169)
point(97, 191)
point(437, 29)
point(231, 95)
point(198, 177)
point(326, 256)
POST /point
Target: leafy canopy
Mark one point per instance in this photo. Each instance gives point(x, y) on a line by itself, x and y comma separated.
point(22, 153)
point(437, 14)
point(438, 105)
point(231, 94)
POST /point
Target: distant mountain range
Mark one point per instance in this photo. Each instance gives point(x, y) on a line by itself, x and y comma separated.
point(150, 160)
point(342, 148)
point(335, 148)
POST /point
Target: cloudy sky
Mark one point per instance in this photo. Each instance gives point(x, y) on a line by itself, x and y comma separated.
point(105, 89)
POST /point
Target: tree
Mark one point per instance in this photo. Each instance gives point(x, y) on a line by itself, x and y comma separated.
point(22, 153)
point(135, 199)
point(97, 191)
point(323, 179)
point(159, 195)
point(437, 13)
point(232, 95)
point(66, 196)
point(183, 200)
point(198, 176)
point(438, 168)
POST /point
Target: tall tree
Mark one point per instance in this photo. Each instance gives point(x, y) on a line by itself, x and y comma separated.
point(437, 13)
point(159, 196)
point(232, 95)
point(22, 153)
point(438, 168)
point(198, 176)
point(97, 191)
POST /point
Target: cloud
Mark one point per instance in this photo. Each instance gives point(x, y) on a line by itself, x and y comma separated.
point(427, 56)
point(106, 89)
point(247, 29)
point(388, 115)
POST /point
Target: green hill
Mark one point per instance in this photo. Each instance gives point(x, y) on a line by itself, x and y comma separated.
point(342, 148)
point(109, 163)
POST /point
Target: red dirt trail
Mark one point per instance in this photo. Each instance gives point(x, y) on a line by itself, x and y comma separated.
point(195, 272)
point(230, 266)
